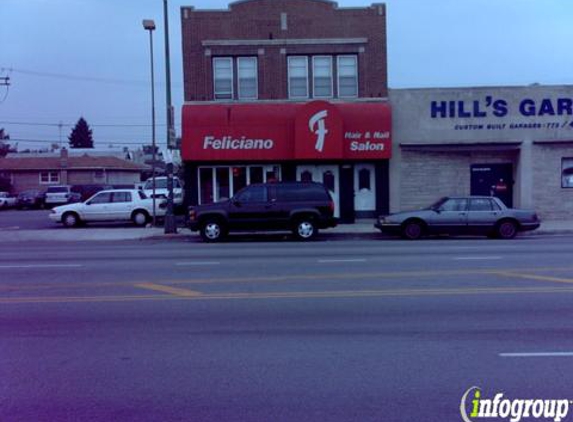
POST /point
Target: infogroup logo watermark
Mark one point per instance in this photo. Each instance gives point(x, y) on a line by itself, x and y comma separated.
point(475, 406)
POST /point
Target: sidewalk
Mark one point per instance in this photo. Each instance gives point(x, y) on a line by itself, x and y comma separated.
point(360, 228)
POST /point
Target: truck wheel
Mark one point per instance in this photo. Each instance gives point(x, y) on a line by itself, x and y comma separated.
point(212, 230)
point(305, 229)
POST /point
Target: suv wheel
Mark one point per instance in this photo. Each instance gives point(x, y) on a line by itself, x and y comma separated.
point(212, 231)
point(70, 219)
point(305, 229)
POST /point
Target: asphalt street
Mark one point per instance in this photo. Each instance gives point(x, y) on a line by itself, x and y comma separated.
point(281, 331)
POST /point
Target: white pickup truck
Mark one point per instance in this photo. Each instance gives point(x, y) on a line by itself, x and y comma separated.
point(161, 190)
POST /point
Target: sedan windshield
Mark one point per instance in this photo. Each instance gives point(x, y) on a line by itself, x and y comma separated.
point(437, 204)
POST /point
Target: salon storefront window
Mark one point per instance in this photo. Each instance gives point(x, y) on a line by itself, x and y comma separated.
point(222, 182)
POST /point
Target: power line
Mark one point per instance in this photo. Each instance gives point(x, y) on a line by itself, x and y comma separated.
point(73, 124)
point(78, 78)
point(44, 141)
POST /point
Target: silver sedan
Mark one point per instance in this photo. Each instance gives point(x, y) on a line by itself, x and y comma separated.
point(468, 215)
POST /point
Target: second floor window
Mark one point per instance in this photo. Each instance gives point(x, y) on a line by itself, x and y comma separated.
point(245, 84)
point(247, 73)
point(298, 77)
point(323, 71)
point(223, 78)
point(322, 76)
point(347, 76)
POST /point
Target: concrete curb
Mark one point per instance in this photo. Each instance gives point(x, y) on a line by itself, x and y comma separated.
point(355, 231)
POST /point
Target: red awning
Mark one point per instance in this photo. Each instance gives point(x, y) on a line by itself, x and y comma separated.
point(317, 130)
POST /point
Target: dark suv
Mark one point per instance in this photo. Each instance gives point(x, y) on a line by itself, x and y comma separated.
point(300, 207)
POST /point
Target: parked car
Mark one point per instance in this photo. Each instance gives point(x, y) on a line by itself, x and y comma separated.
point(58, 195)
point(89, 190)
point(471, 215)
point(33, 199)
point(109, 205)
point(302, 208)
point(161, 190)
point(7, 200)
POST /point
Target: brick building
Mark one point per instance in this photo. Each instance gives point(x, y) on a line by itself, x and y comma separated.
point(287, 90)
point(38, 171)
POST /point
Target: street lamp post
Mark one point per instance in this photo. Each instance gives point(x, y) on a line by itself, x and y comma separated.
point(170, 226)
point(149, 25)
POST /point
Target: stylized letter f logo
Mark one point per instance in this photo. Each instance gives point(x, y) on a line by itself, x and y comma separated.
point(320, 131)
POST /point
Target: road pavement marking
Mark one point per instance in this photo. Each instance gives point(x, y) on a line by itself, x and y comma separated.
point(323, 261)
point(198, 263)
point(536, 277)
point(183, 294)
point(536, 355)
point(167, 289)
point(470, 258)
point(331, 276)
point(41, 266)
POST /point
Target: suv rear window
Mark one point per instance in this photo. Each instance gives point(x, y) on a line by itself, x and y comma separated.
point(290, 193)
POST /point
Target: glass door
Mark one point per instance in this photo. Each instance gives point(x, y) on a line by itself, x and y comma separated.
point(364, 187)
point(325, 174)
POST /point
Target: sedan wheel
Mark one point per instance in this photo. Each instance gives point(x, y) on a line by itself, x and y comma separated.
point(70, 219)
point(140, 218)
point(412, 230)
point(507, 230)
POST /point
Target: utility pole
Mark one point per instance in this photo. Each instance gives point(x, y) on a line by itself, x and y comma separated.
point(170, 226)
point(5, 81)
point(60, 124)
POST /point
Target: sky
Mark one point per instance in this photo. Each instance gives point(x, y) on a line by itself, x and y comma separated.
point(72, 58)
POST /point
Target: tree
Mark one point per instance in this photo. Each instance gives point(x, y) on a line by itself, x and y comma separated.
point(81, 136)
point(5, 147)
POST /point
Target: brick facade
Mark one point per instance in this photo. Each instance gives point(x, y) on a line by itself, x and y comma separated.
point(429, 176)
point(551, 200)
point(256, 28)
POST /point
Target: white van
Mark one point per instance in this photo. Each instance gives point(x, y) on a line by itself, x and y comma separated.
point(161, 189)
point(59, 195)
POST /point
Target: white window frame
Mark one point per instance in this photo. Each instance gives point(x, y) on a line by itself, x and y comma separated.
point(289, 58)
point(338, 76)
point(51, 181)
point(314, 77)
point(239, 60)
point(232, 94)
